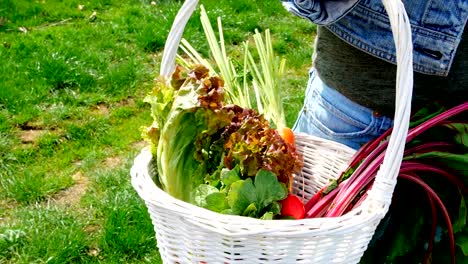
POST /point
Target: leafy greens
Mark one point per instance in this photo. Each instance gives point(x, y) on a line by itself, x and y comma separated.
point(219, 156)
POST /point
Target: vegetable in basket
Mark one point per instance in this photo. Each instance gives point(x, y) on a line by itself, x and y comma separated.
point(216, 155)
point(262, 74)
point(427, 220)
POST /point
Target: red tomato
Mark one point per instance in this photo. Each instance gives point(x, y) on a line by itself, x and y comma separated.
point(292, 206)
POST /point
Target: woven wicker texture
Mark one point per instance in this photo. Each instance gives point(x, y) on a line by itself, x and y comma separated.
point(189, 234)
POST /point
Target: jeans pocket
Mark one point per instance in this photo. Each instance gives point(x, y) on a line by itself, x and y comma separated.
point(330, 115)
point(335, 123)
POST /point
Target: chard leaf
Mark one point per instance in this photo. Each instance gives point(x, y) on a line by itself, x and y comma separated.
point(403, 240)
point(401, 235)
point(425, 114)
point(461, 135)
point(461, 240)
point(460, 222)
point(333, 184)
point(458, 162)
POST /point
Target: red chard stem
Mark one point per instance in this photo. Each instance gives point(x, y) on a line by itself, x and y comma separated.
point(429, 147)
point(411, 166)
point(319, 208)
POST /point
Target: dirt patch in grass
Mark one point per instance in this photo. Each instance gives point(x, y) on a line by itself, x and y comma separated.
point(129, 101)
point(8, 204)
point(31, 136)
point(72, 195)
point(5, 208)
point(101, 109)
point(30, 132)
point(112, 162)
point(91, 228)
point(94, 252)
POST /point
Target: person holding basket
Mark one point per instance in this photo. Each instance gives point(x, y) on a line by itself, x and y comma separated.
point(350, 96)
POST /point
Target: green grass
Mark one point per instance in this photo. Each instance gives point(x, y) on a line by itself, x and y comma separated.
point(71, 108)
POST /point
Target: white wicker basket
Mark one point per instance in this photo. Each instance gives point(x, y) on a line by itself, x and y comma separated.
point(189, 234)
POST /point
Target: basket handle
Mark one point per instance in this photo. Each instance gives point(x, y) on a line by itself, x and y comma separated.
point(173, 39)
point(385, 181)
point(381, 192)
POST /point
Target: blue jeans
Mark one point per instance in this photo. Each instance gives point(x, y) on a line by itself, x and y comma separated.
point(328, 114)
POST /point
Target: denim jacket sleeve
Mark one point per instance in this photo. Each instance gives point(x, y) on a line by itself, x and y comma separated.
point(320, 12)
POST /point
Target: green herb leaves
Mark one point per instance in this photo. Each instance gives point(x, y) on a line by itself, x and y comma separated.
point(254, 198)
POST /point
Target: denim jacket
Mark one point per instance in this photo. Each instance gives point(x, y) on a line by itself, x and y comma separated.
point(437, 27)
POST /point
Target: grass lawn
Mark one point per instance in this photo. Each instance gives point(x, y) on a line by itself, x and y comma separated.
point(73, 75)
